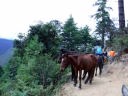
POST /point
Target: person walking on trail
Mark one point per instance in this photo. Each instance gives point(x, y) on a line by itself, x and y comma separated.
point(111, 55)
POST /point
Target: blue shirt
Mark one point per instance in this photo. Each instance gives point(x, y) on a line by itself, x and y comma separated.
point(98, 50)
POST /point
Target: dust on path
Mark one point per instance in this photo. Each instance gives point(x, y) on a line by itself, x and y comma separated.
point(108, 84)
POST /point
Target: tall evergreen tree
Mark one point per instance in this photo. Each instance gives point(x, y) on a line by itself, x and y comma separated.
point(104, 25)
point(68, 34)
point(84, 40)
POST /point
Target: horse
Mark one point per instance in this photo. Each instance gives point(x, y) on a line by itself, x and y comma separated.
point(100, 64)
point(86, 62)
point(72, 70)
point(63, 51)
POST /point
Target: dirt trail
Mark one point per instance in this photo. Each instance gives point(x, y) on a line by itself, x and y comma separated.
point(108, 84)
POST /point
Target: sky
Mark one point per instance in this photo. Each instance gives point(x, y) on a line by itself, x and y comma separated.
point(17, 15)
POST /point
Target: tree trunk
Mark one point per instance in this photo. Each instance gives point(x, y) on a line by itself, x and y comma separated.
point(103, 35)
point(121, 14)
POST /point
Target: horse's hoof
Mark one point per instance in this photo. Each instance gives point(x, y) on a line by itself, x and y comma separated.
point(85, 82)
point(74, 85)
point(79, 87)
point(83, 78)
point(90, 82)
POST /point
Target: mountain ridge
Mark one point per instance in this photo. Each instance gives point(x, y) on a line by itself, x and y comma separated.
point(5, 44)
point(6, 50)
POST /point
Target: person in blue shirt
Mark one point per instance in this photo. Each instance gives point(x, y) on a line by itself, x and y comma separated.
point(98, 51)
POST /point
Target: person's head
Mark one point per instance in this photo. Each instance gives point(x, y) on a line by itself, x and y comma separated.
point(112, 49)
point(98, 43)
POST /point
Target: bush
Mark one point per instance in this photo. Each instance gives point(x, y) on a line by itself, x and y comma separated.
point(120, 43)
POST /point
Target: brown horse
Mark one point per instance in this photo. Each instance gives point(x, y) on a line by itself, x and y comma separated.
point(86, 62)
point(100, 63)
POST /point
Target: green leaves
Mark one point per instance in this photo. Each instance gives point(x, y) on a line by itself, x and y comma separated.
point(34, 47)
point(48, 34)
point(75, 38)
point(120, 42)
point(105, 26)
point(69, 32)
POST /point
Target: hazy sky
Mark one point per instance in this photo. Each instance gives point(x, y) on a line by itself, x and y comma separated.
point(17, 15)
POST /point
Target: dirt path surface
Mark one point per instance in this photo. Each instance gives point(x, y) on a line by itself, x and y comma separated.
point(108, 84)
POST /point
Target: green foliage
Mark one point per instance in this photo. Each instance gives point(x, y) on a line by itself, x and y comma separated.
point(85, 40)
point(1, 71)
point(74, 38)
point(12, 66)
point(105, 26)
point(14, 88)
point(34, 47)
point(34, 74)
point(47, 34)
point(69, 33)
point(120, 42)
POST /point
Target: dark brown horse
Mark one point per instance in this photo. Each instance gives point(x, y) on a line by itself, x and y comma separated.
point(86, 62)
point(72, 69)
point(100, 64)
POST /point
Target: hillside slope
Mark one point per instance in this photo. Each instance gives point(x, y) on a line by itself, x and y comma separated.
point(4, 58)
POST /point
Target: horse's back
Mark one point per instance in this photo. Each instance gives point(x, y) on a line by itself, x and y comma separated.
point(87, 60)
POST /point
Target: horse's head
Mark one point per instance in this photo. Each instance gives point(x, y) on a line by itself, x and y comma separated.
point(64, 62)
point(59, 59)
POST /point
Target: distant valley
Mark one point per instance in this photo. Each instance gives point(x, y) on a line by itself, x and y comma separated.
point(6, 50)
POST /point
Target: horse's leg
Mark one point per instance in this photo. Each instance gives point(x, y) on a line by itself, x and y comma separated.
point(92, 75)
point(86, 81)
point(80, 71)
point(100, 68)
point(73, 73)
point(84, 74)
point(96, 71)
point(97, 65)
point(75, 77)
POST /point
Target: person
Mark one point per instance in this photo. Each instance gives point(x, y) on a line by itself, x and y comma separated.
point(111, 55)
point(98, 50)
point(105, 55)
